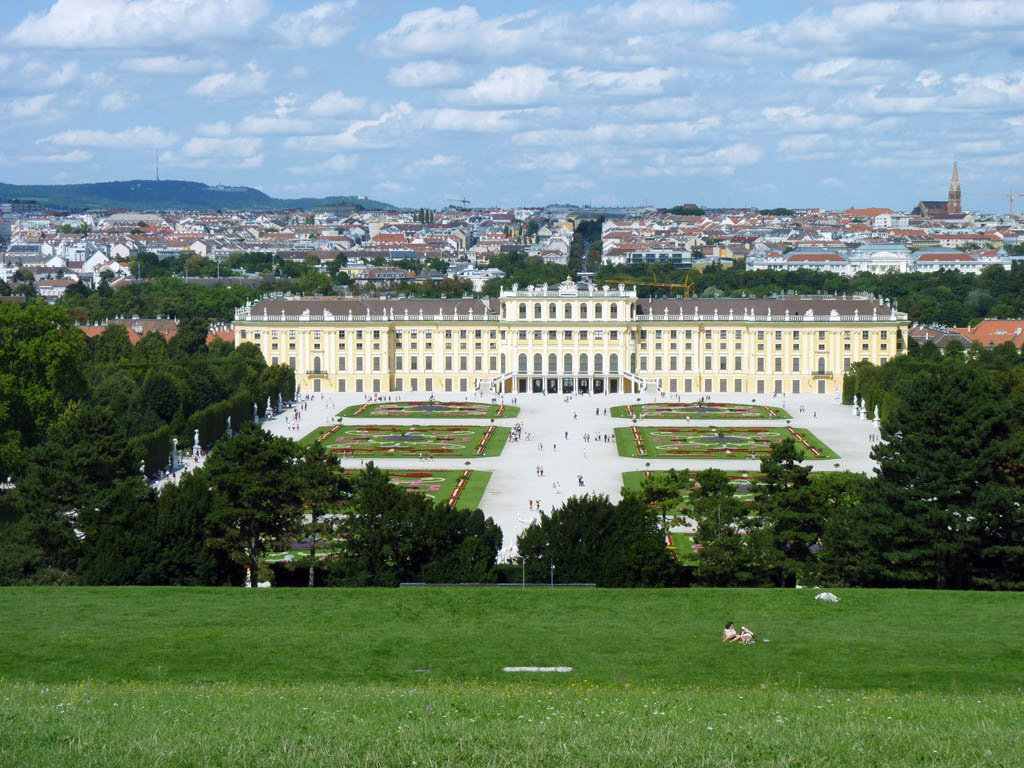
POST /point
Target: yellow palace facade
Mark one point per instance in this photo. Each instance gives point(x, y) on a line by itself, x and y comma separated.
point(572, 338)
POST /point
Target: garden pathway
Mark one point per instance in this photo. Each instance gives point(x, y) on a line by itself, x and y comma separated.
point(547, 419)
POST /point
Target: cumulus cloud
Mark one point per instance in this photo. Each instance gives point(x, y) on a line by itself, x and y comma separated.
point(334, 164)
point(643, 82)
point(335, 103)
point(33, 106)
point(424, 74)
point(116, 101)
point(138, 137)
point(74, 156)
point(322, 25)
point(169, 65)
point(231, 84)
point(262, 124)
point(524, 84)
point(358, 134)
point(219, 129)
point(137, 23)
point(469, 120)
point(206, 146)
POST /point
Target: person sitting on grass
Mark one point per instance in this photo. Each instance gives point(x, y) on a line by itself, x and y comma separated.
point(729, 634)
point(746, 636)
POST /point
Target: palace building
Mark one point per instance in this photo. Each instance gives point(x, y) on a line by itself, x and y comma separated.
point(572, 338)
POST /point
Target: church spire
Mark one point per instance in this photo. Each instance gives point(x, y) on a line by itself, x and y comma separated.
point(953, 204)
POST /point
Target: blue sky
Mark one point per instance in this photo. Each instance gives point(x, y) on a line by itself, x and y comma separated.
point(792, 103)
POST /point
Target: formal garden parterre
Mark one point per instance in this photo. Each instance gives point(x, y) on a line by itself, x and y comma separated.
point(442, 441)
point(714, 442)
point(431, 409)
point(698, 410)
point(461, 488)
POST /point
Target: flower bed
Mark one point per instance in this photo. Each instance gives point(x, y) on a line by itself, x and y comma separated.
point(699, 410)
point(721, 442)
point(421, 441)
point(430, 409)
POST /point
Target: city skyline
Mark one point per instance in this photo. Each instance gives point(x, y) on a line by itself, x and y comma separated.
point(655, 101)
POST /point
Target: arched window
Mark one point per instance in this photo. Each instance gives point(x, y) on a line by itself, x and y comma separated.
point(567, 366)
point(583, 363)
point(568, 311)
point(583, 311)
point(552, 311)
point(316, 365)
point(615, 311)
point(522, 364)
point(613, 363)
point(537, 311)
point(821, 365)
point(522, 311)
point(597, 311)
point(538, 363)
point(598, 362)
point(552, 363)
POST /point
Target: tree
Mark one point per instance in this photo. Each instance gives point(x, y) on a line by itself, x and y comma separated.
point(734, 546)
point(323, 489)
point(256, 493)
point(784, 502)
point(393, 536)
point(590, 539)
point(661, 488)
point(949, 475)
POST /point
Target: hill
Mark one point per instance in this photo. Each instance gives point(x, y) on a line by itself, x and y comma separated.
point(142, 677)
point(148, 195)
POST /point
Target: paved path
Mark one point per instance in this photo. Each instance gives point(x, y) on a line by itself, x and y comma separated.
point(547, 419)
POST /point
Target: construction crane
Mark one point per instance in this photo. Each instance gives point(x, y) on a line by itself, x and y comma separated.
point(1011, 196)
point(465, 203)
point(686, 286)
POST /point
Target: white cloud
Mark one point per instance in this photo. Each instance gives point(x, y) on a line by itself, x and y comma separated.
point(74, 156)
point(524, 84)
point(116, 101)
point(434, 164)
point(220, 129)
point(206, 146)
point(672, 13)
point(335, 103)
point(435, 30)
point(260, 125)
point(802, 143)
point(139, 137)
point(334, 164)
point(424, 74)
point(643, 82)
point(929, 78)
point(848, 71)
point(469, 120)
point(319, 26)
point(359, 133)
point(795, 117)
point(645, 134)
point(231, 84)
point(137, 23)
point(33, 106)
point(722, 161)
point(169, 65)
point(63, 76)
point(893, 105)
point(548, 161)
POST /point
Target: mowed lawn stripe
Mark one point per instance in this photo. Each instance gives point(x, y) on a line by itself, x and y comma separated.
point(874, 639)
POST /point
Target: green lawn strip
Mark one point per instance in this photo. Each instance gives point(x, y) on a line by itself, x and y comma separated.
point(543, 723)
point(620, 411)
point(900, 640)
point(380, 411)
point(413, 448)
point(627, 447)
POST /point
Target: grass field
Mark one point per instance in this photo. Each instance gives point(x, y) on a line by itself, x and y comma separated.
point(698, 410)
point(198, 677)
point(443, 441)
point(431, 410)
point(717, 442)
